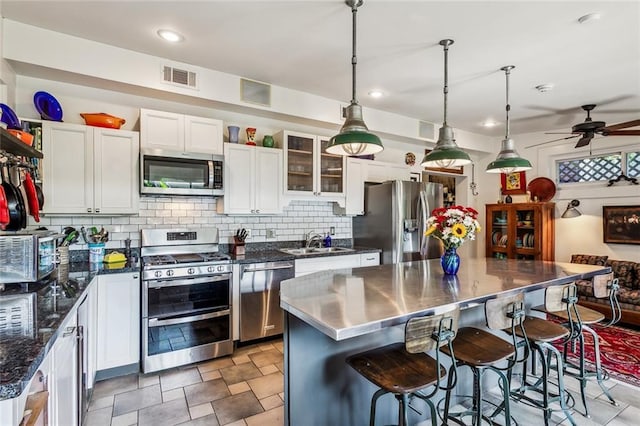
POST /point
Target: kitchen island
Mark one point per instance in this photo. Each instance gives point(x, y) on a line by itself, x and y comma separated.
point(331, 315)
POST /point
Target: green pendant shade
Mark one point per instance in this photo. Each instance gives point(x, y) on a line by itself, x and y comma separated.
point(508, 160)
point(354, 137)
point(446, 153)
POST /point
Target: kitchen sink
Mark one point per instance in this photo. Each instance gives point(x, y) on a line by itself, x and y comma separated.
point(314, 250)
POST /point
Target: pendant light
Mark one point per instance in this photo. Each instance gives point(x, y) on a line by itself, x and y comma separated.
point(446, 153)
point(508, 160)
point(354, 137)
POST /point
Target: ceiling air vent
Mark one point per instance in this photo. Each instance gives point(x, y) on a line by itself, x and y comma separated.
point(179, 77)
point(426, 130)
point(255, 92)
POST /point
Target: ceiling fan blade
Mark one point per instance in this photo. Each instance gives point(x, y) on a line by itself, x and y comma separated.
point(632, 123)
point(621, 133)
point(555, 140)
point(584, 141)
point(558, 133)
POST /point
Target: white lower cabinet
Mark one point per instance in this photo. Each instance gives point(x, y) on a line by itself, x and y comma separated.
point(63, 380)
point(316, 264)
point(118, 327)
point(253, 176)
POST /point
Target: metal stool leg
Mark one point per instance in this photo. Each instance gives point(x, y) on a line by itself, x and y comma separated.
point(599, 375)
point(374, 402)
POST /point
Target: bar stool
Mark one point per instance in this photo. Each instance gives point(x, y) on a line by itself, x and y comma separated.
point(540, 334)
point(481, 350)
point(404, 369)
point(603, 286)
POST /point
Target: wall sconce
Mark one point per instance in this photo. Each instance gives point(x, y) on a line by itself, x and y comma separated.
point(572, 210)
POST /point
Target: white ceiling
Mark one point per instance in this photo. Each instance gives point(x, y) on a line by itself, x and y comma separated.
point(306, 45)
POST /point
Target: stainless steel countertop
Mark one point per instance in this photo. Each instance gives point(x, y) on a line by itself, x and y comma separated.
point(351, 302)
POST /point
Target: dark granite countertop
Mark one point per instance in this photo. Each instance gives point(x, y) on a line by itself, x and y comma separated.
point(49, 301)
point(272, 255)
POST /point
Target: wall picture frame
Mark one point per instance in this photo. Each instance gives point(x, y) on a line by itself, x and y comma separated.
point(513, 183)
point(457, 170)
point(621, 224)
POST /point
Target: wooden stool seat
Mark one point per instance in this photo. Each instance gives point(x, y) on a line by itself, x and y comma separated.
point(477, 347)
point(587, 315)
point(541, 330)
point(394, 369)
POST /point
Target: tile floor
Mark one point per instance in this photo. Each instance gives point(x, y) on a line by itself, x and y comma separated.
point(246, 389)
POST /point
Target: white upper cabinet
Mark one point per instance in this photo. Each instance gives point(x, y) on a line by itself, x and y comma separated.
point(310, 173)
point(89, 169)
point(182, 133)
point(253, 177)
point(378, 171)
point(356, 172)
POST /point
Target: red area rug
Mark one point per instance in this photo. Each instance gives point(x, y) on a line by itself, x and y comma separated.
point(619, 352)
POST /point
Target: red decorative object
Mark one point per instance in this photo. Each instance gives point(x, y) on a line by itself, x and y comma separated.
point(619, 350)
point(513, 183)
point(543, 188)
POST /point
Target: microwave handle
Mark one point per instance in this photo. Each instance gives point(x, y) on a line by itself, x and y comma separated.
point(210, 164)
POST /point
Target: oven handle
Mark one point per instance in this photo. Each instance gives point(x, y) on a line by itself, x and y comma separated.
point(187, 281)
point(155, 322)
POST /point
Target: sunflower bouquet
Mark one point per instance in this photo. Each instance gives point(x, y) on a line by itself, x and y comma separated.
point(453, 225)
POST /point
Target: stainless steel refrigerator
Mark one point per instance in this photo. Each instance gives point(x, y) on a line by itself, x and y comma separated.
point(394, 220)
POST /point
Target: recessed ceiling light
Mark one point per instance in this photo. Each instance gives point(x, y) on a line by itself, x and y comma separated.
point(376, 94)
point(588, 17)
point(489, 123)
point(170, 36)
point(547, 87)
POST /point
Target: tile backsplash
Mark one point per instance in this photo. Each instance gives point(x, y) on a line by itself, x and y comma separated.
point(298, 218)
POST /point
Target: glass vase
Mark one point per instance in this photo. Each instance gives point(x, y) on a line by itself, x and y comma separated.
point(450, 261)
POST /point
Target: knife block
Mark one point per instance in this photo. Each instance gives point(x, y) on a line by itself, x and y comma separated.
point(238, 248)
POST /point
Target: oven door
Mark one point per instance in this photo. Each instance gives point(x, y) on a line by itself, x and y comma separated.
point(186, 321)
point(180, 174)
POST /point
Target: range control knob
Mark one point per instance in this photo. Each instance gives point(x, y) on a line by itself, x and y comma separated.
point(157, 274)
point(210, 269)
point(170, 273)
point(220, 268)
point(191, 271)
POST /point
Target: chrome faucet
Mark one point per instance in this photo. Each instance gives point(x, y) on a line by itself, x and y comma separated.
point(313, 239)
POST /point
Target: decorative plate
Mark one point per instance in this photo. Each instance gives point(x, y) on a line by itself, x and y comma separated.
point(9, 117)
point(543, 188)
point(48, 106)
point(410, 159)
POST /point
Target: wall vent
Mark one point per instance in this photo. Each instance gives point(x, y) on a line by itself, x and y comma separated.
point(426, 130)
point(255, 92)
point(179, 77)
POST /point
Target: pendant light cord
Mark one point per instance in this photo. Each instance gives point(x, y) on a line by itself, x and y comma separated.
point(446, 77)
point(508, 106)
point(354, 59)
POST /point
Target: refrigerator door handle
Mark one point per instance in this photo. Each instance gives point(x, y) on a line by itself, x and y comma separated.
point(422, 220)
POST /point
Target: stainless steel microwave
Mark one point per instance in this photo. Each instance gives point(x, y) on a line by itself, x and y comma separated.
point(180, 173)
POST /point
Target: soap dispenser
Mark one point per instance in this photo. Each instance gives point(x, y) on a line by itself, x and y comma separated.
point(327, 240)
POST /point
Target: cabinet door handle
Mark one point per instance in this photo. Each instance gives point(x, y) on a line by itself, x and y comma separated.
point(69, 331)
point(135, 277)
point(257, 211)
point(89, 210)
point(97, 210)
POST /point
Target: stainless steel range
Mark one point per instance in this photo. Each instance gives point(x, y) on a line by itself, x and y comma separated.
point(186, 298)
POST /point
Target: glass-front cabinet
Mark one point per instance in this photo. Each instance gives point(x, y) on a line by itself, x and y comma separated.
point(520, 231)
point(309, 171)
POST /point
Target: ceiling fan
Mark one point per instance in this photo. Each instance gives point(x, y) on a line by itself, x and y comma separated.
point(589, 128)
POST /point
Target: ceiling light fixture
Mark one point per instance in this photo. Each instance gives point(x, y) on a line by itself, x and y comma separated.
point(376, 94)
point(446, 153)
point(170, 36)
point(508, 160)
point(489, 123)
point(354, 137)
point(543, 88)
point(588, 17)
